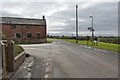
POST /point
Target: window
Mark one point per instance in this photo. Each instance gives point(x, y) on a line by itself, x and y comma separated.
point(13, 26)
point(18, 35)
point(27, 26)
point(29, 35)
point(38, 35)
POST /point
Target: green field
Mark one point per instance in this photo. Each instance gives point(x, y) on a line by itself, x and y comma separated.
point(102, 45)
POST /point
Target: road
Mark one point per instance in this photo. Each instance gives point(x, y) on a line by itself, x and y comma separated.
point(61, 59)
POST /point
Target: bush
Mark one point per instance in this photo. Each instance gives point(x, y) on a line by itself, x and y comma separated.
point(110, 40)
point(3, 36)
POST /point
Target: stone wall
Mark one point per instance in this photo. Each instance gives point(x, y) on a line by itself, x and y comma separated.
point(19, 59)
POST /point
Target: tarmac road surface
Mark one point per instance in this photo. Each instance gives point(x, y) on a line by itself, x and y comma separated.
point(61, 59)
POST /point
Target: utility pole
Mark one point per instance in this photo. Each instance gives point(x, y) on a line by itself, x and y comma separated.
point(92, 30)
point(76, 24)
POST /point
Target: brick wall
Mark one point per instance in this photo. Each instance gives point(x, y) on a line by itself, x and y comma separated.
point(22, 29)
point(0, 31)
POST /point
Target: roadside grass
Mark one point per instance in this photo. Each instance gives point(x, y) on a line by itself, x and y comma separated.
point(101, 45)
point(48, 40)
point(17, 49)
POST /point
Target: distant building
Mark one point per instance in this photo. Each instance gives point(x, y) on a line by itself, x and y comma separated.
point(24, 29)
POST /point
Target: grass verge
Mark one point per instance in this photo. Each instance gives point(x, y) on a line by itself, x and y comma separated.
point(18, 49)
point(48, 40)
point(101, 45)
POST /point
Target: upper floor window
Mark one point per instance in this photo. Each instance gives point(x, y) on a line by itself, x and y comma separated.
point(13, 26)
point(29, 35)
point(27, 26)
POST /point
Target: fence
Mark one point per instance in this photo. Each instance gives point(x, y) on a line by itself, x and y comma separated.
point(9, 62)
point(3, 59)
point(0, 60)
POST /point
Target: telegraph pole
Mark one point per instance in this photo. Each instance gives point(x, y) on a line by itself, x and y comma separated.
point(76, 24)
point(92, 29)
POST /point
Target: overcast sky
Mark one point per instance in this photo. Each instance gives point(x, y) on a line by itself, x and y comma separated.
point(60, 15)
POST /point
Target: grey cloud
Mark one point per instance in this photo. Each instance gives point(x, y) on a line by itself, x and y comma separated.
point(105, 15)
point(105, 18)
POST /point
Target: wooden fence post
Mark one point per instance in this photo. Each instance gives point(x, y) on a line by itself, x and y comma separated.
point(10, 56)
point(0, 60)
point(3, 58)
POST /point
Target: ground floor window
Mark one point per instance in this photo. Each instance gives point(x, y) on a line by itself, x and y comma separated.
point(18, 35)
point(29, 35)
point(38, 35)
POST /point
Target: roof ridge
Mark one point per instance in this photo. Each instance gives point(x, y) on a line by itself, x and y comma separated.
point(14, 20)
point(21, 18)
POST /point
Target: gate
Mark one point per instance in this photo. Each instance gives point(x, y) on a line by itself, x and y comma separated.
point(0, 60)
point(6, 58)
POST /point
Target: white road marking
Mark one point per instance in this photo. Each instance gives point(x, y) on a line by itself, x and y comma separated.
point(30, 65)
point(30, 48)
point(36, 44)
point(29, 68)
point(28, 75)
point(48, 69)
point(48, 76)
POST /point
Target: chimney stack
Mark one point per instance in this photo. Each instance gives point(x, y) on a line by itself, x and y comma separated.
point(43, 17)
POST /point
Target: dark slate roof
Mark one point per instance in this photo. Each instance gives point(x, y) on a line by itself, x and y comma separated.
point(28, 21)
